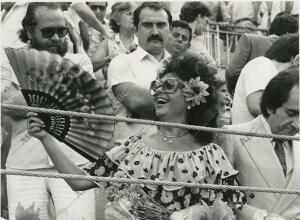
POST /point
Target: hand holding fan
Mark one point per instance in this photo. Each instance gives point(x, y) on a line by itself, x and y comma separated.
point(50, 81)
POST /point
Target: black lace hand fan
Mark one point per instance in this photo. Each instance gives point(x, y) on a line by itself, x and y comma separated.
point(50, 81)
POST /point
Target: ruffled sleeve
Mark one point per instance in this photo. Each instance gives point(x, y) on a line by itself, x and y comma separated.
point(226, 175)
point(106, 166)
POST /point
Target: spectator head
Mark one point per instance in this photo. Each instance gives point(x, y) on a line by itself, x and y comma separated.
point(99, 9)
point(122, 16)
point(283, 23)
point(152, 21)
point(222, 92)
point(180, 38)
point(172, 98)
point(196, 14)
point(280, 102)
point(44, 27)
point(285, 49)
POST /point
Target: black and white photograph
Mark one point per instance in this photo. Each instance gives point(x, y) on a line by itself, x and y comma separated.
point(150, 110)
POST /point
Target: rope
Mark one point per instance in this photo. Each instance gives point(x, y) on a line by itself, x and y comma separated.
point(147, 122)
point(150, 182)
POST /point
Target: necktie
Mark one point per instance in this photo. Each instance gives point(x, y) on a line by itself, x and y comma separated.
point(279, 150)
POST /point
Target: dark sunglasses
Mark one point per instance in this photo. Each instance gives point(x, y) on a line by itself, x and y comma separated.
point(94, 7)
point(48, 32)
point(168, 86)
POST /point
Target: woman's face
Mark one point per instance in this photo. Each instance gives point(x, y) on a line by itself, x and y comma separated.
point(222, 93)
point(170, 107)
point(126, 19)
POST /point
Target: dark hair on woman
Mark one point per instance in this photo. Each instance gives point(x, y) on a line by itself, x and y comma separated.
point(116, 10)
point(205, 114)
point(183, 25)
point(190, 11)
point(284, 49)
point(153, 5)
point(278, 90)
point(283, 23)
point(30, 20)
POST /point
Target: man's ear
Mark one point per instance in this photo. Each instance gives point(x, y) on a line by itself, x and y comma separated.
point(189, 45)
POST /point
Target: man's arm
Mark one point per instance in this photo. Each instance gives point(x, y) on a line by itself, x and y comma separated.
point(239, 60)
point(87, 15)
point(100, 56)
point(253, 103)
point(122, 81)
point(135, 99)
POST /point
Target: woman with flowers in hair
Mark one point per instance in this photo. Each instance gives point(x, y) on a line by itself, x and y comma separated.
point(183, 93)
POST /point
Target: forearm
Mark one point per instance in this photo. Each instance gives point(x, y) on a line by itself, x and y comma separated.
point(99, 63)
point(255, 111)
point(136, 99)
point(140, 103)
point(86, 14)
point(64, 165)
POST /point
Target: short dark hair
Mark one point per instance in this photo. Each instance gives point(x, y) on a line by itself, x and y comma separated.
point(153, 5)
point(117, 8)
point(30, 20)
point(190, 11)
point(278, 90)
point(205, 114)
point(284, 49)
point(284, 23)
point(184, 25)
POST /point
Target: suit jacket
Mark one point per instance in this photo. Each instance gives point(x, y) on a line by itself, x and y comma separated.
point(259, 166)
point(249, 47)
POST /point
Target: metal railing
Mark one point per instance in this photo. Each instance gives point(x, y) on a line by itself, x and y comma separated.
point(221, 40)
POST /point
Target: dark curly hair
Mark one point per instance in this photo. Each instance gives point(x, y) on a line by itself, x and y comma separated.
point(278, 90)
point(30, 20)
point(153, 5)
point(183, 25)
point(186, 68)
point(190, 11)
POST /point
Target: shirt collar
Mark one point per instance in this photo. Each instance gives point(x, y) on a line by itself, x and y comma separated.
point(118, 40)
point(141, 54)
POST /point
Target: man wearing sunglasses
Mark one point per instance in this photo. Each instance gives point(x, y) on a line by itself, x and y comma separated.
point(44, 28)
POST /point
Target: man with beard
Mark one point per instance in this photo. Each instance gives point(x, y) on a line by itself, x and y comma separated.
point(44, 28)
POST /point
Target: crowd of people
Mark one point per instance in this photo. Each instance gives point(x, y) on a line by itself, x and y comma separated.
point(156, 67)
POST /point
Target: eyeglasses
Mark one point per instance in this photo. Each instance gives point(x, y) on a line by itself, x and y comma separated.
point(48, 32)
point(168, 86)
point(94, 7)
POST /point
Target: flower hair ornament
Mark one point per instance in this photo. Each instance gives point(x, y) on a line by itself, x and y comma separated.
point(195, 91)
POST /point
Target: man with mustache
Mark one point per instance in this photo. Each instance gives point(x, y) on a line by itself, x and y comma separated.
point(265, 162)
point(44, 28)
point(129, 76)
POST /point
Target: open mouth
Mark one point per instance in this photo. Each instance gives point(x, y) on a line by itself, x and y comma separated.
point(161, 100)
